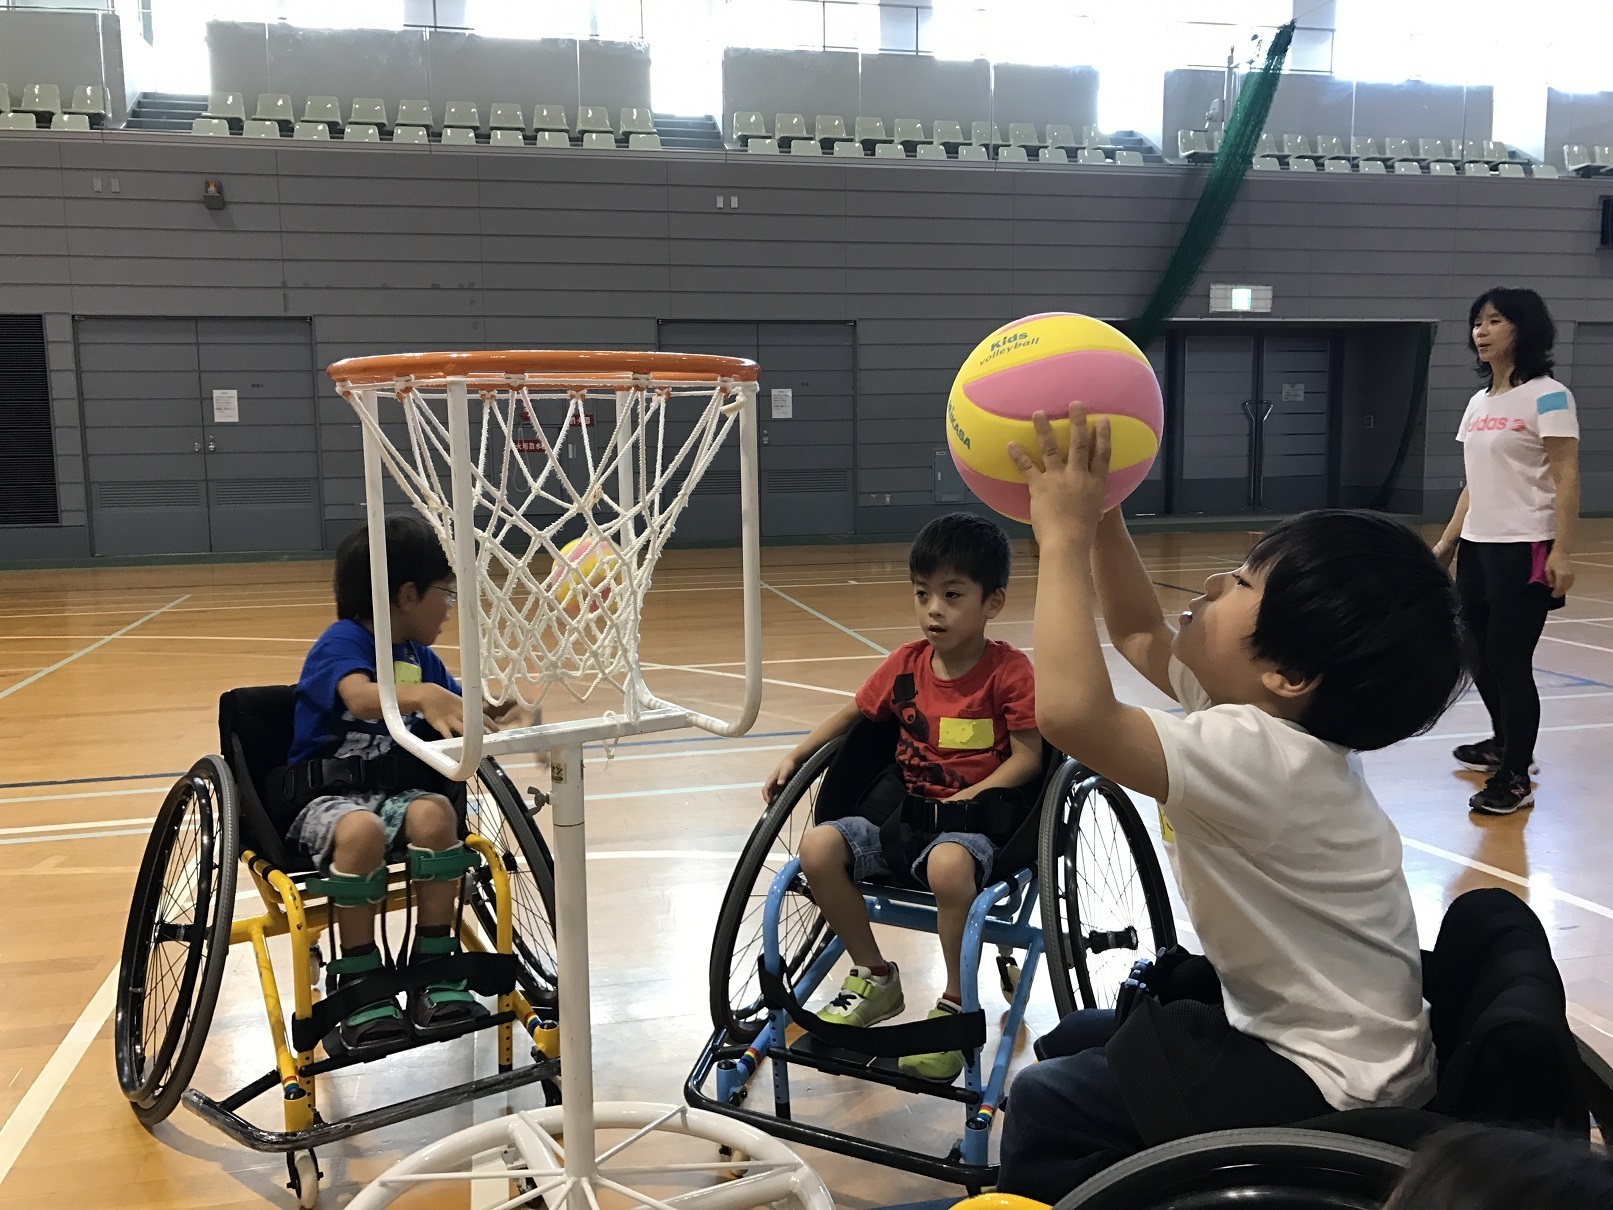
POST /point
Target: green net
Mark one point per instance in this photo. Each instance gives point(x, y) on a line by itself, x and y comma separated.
point(1238, 143)
point(1415, 408)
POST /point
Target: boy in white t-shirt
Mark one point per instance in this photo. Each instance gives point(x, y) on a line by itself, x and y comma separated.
point(1338, 634)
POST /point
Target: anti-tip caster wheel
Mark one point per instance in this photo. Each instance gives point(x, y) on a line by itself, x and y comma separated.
point(304, 1182)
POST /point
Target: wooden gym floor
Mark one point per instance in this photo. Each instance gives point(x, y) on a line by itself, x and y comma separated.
point(109, 680)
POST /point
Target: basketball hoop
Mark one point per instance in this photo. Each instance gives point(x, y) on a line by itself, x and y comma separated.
point(508, 457)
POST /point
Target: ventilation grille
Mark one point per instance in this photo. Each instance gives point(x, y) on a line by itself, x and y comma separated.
point(27, 459)
point(262, 493)
point(718, 483)
point(819, 479)
point(173, 494)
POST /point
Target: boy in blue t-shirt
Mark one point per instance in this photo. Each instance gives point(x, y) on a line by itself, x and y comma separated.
point(372, 813)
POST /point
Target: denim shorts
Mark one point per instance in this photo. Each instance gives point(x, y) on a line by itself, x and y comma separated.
point(314, 828)
point(868, 856)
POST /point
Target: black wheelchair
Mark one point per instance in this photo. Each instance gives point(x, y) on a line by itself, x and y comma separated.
point(1078, 883)
point(182, 923)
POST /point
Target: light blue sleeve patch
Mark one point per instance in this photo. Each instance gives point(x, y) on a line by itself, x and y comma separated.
point(1552, 401)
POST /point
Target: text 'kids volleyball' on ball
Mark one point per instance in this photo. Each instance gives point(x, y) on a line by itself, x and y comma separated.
point(1044, 363)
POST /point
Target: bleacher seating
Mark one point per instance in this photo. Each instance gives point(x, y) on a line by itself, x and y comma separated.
point(41, 100)
point(787, 127)
point(594, 119)
point(1434, 149)
point(644, 142)
point(261, 129)
point(506, 116)
point(1268, 147)
point(1128, 158)
point(1267, 163)
point(275, 107)
point(5, 97)
point(1331, 147)
point(1408, 168)
point(362, 132)
point(849, 149)
point(931, 151)
point(827, 128)
point(557, 139)
point(70, 121)
point(461, 114)
point(762, 146)
point(972, 151)
point(909, 132)
point(1363, 147)
point(90, 100)
point(889, 151)
point(17, 120)
point(323, 109)
point(599, 140)
point(230, 106)
point(1587, 161)
point(869, 131)
point(805, 147)
point(748, 125)
point(1398, 149)
point(1374, 167)
point(1052, 155)
point(368, 111)
point(1023, 134)
point(505, 137)
point(1441, 168)
point(210, 126)
point(948, 133)
point(416, 113)
point(1012, 153)
point(549, 117)
point(1193, 146)
point(458, 136)
point(1336, 165)
point(1546, 171)
point(310, 131)
point(1061, 136)
point(1296, 144)
point(1093, 155)
point(410, 134)
point(1301, 163)
point(985, 134)
point(634, 121)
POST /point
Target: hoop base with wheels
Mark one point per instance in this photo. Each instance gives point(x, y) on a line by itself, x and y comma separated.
point(530, 1155)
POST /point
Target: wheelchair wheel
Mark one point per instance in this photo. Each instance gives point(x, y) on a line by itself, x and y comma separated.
point(177, 940)
point(494, 809)
point(1104, 902)
point(736, 997)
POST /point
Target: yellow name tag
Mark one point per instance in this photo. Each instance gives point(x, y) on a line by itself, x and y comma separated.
point(405, 673)
point(972, 734)
point(1166, 832)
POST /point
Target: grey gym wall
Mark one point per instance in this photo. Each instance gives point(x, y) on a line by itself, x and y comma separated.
point(390, 249)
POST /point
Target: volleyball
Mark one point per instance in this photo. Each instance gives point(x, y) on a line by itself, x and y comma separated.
point(583, 574)
point(1044, 363)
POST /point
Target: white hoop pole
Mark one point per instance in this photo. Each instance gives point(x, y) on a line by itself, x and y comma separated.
point(571, 942)
point(380, 581)
point(626, 438)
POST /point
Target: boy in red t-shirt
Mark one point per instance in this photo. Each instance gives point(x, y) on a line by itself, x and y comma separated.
point(966, 706)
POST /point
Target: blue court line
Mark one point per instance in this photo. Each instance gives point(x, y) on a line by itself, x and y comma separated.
point(83, 781)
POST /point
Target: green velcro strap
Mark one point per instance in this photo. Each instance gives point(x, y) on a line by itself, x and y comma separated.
point(442, 865)
point(351, 890)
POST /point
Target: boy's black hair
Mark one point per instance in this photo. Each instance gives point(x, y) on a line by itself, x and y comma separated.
point(970, 545)
point(1493, 1168)
point(1358, 601)
point(1533, 332)
point(413, 556)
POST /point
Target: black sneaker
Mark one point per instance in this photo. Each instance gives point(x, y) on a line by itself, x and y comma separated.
point(1503, 794)
point(1483, 757)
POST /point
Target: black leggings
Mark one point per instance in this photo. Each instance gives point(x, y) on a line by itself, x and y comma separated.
point(1505, 614)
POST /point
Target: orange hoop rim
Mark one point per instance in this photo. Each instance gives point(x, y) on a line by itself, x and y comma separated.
point(582, 367)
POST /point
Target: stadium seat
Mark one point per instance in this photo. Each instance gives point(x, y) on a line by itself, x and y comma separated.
point(644, 142)
point(1023, 134)
point(1373, 167)
point(557, 139)
point(458, 136)
point(748, 125)
point(18, 121)
point(1091, 136)
point(1336, 165)
point(230, 106)
point(1052, 155)
point(789, 126)
point(505, 137)
point(256, 129)
point(599, 140)
point(909, 132)
point(210, 126)
point(1301, 163)
point(362, 132)
point(948, 133)
point(1433, 149)
point(1475, 151)
point(5, 97)
point(1496, 151)
point(89, 100)
point(1602, 157)
point(985, 134)
point(1267, 163)
point(762, 146)
point(869, 131)
point(70, 121)
point(1476, 168)
point(827, 128)
point(931, 151)
point(1012, 153)
point(1093, 155)
point(1544, 171)
point(1441, 168)
point(310, 130)
point(805, 147)
point(461, 113)
point(594, 119)
point(889, 151)
point(1129, 159)
point(275, 107)
point(1061, 136)
point(1408, 168)
point(41, 100)
point(972, 151)
point(416, 113)
point(369, 111)
point(849, 149)
point(634, 121)
point(506, 116)
point(1398, 149)
point(1215, 139)
point(1296, 144)
point(410, 134)
point(550, 117)
point(1363, 148)
point(1193, 146)
point(1330, 146)
point(1268, 146)
point(322, 109)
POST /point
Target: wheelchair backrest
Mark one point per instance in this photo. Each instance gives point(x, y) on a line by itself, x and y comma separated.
point(1499, 1017)
point(255, 732)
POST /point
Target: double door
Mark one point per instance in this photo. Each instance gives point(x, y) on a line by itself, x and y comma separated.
point(200, 435)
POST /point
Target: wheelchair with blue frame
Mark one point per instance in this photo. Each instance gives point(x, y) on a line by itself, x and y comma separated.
point(1079, 877)
point(182, 922)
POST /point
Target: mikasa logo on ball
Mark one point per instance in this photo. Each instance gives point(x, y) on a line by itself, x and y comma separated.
point(957, 429)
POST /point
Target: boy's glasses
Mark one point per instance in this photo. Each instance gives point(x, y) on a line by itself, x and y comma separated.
point(449, 595)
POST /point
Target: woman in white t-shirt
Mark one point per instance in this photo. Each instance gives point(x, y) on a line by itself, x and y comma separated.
point(1512, 529)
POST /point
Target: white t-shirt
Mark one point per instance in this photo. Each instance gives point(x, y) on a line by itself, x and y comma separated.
point(1291, 874)
point(1510, 495)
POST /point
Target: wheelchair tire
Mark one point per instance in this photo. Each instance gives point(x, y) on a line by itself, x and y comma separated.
point(1104, 900)
point(177, 940)
point(736, 999)
point(1269, 1169)
point(495, 810)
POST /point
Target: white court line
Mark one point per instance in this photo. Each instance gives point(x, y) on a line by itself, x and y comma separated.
point(68, 827)
point(47, 1086)
point(9, 802)
point(1541, 887)
point(737, 676)
point(1487, 734)
point(823, 617)
point(99, 643)
point(1551, 638)
point(145, 831)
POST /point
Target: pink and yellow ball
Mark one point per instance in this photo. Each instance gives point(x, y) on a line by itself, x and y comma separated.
point(1044, 363)
point(584, 574)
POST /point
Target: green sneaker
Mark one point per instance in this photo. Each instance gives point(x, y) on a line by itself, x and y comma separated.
point(865, 1000)
point(944, 1065)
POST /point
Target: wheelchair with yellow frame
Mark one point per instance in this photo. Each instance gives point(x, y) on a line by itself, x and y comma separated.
point(182, 922)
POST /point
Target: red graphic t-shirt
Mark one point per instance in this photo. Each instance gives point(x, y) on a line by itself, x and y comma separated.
point(953, 733)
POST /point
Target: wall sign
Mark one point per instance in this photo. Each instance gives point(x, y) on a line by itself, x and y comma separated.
point(783, 401)
point(226, 407)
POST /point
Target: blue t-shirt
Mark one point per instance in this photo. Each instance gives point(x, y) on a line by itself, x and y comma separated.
point(323, 727)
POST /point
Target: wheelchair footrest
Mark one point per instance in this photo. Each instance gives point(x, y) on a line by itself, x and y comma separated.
point(338, 1062)
point(810, 1052)
point(487, 974)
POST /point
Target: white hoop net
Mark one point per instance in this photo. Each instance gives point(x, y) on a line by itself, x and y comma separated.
point(569, 524)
